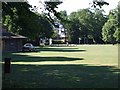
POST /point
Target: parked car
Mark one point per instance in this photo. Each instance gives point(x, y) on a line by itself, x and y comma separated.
point(28, 47)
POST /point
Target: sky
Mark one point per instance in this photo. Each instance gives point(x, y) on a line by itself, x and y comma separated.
point(74, 5)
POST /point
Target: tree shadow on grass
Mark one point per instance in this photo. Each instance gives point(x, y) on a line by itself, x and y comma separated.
point(63, 76)
point(61, 49)
point(26, 58)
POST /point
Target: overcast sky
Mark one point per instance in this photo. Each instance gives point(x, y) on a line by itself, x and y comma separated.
point(74, 5)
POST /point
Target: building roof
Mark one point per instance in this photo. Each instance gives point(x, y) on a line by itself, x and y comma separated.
point(6, 35)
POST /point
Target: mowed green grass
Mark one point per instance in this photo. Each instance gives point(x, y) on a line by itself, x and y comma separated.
point(84, 66)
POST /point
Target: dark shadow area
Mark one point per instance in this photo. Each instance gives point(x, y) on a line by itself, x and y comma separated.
point(60, 49)
point(26, 58)
point(62, 76)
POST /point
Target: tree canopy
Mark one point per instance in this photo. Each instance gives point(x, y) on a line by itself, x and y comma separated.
point(18, 18)
point(110, 30)
point(86, 24)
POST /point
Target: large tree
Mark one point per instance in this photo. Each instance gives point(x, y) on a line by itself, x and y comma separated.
point(91, 23)
point(97, 23)
point(75, 31)
point(110, 27)
point(117, 32)
point(18, 18)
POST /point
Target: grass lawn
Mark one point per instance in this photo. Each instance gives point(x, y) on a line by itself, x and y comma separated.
point(84, 66)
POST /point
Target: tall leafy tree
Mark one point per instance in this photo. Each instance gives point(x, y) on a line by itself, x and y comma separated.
point(117, 32)
point(85, 17)
point(50, 9)
point(18, 18)
point(91, 23)
point(110, 27)
point(75, 31)
point(97, 23)
point(117, 35)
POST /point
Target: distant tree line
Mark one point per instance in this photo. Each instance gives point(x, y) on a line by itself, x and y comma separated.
point(88, 25)
point(93, 26)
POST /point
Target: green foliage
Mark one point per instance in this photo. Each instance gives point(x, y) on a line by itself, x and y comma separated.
point(85, 23)
point(85, 17)
point(90, 24)
point(75, 31)
point(109, 31)
point(50, 6)
point(118, 15)
point(117, 35)
point(98, 20)
point(55, 34)
point(64, 17)
point(73, 15)
point(18, 18)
